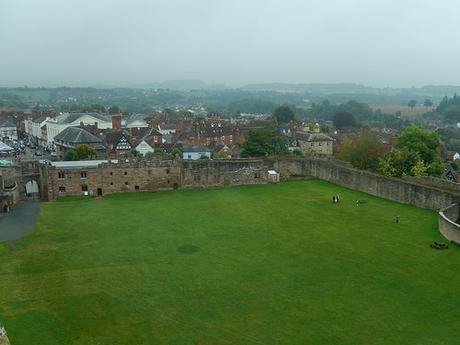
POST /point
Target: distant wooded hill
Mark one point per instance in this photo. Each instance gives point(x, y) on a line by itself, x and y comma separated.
point(256, 98)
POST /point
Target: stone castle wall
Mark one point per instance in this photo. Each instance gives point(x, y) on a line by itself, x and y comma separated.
point(209, 173)
point(435, 182)
point(10, 184)
point(110, 177)
point(426, 192)
point(408, 192)
point(159, 174)
point(162, 174)
point(149, 175)
point(447, 223)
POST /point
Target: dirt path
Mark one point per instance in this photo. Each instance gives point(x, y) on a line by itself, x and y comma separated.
point(20, 221)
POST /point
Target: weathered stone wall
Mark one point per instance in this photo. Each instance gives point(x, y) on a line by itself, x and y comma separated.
point(11, 175)
point(146, 175)
point(389, 188)
point(12, 195)
point(11, 183)
point(434, 182)
point(18, 175)
point(208, 173)
point(160, 174)
point(447, 223)
point(150, 175)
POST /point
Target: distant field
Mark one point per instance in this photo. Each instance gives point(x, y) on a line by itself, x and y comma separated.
point(34, 95)
point(274, 264)
point(405, 110)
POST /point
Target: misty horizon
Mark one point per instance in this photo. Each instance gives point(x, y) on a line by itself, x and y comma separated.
point(128, 44)
point(198, 84)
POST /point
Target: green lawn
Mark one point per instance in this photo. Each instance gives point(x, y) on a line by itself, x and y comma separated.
point(275, 264)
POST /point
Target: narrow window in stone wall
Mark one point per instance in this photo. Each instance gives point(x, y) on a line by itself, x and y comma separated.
point(126, 173)
point(61, 175)
point(167, 171)
point(83, 175)
point(111, 173)
point(126, 183)
point(61, 189)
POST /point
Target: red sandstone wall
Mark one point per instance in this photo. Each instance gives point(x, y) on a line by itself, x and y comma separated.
point(147, 175)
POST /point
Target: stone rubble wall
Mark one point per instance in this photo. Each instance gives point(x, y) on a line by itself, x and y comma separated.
point(404, 191)
point(150, 175)
point(447, 223)
point(163, 174)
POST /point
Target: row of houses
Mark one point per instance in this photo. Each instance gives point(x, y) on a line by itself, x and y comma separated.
point(118, 135)
point(44, 129)
point(121, 143)
point(114, 142)
point(141, 133)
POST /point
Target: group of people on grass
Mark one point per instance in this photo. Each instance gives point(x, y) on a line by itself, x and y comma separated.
point(336, 200)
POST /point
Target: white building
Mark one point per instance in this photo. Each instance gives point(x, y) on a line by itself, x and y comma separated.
point(273, 176)
point(56, 125)
point(195, 153)
point(8, 131)
point(28, 126)
point(143, 148)
point(38, 135)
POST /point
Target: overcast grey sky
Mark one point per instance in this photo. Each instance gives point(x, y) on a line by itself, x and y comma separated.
point(124, 42)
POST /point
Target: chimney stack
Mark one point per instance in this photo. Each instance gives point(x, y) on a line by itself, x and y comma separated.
point(116, 122)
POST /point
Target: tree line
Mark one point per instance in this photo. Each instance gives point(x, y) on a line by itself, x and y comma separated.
point(416, 153)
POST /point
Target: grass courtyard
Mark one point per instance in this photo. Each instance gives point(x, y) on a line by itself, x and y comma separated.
point(275, 264)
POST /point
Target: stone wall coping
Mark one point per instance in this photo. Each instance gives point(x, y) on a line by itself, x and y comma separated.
point(447, 219)
point(396, 179)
